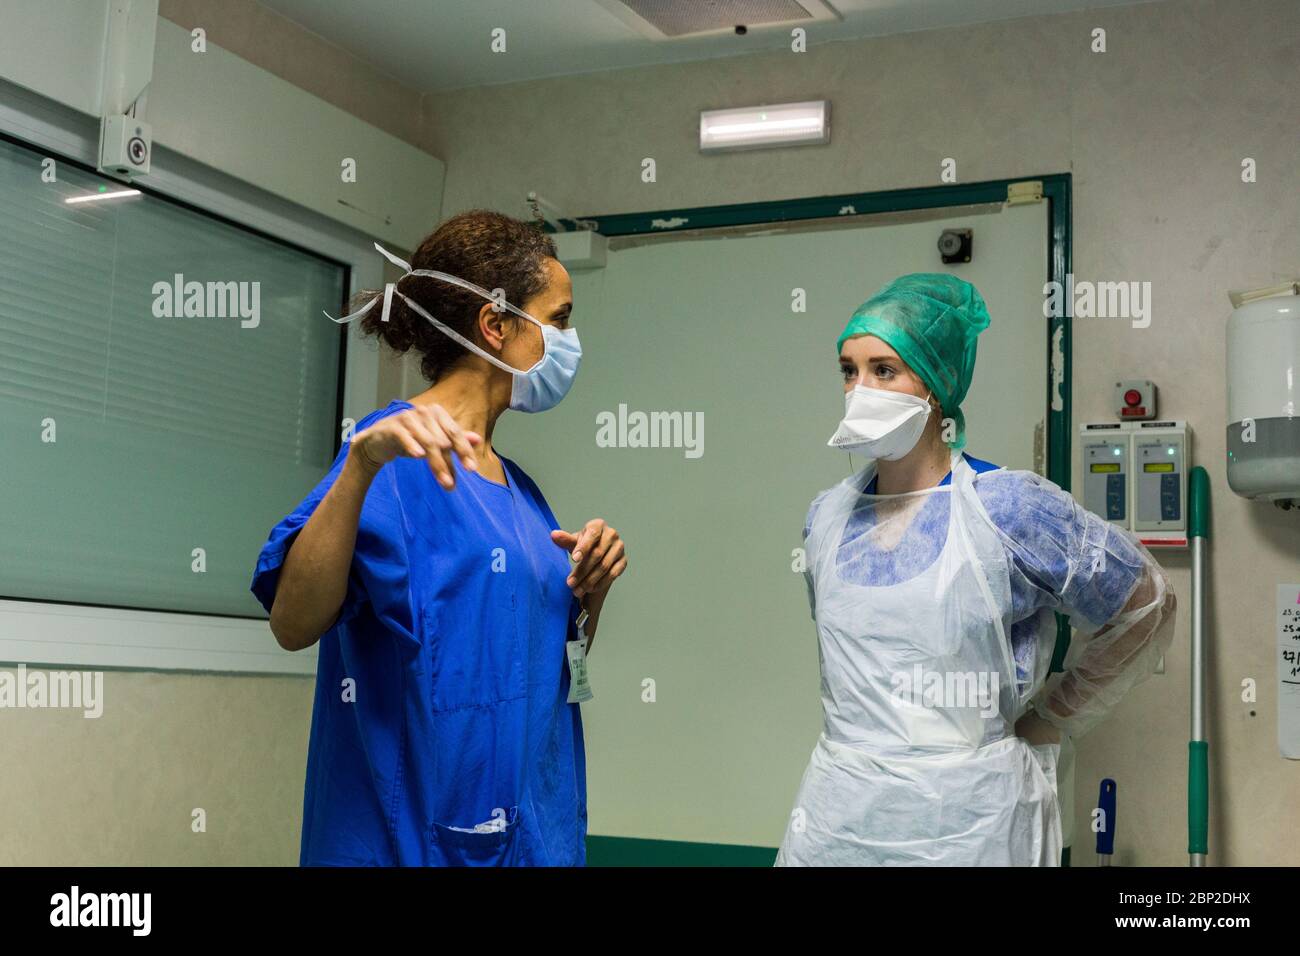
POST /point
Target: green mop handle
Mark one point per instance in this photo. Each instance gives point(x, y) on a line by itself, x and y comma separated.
point(1198, 748)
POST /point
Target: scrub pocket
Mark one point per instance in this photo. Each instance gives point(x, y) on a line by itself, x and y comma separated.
point(463, 846)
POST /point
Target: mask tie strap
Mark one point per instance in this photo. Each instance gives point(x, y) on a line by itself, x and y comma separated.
point(389, 289)
point(404, 266)
point(452, 333)
point(344, 319)
point(466, 284)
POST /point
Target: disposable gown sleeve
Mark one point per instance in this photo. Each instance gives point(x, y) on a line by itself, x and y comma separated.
point(1118, 599)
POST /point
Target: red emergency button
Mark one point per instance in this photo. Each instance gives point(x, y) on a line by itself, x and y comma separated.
point(1132, 397)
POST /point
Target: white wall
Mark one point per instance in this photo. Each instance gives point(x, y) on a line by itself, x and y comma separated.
point(56, 48)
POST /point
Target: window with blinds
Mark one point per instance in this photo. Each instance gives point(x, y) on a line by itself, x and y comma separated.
point(169, 389)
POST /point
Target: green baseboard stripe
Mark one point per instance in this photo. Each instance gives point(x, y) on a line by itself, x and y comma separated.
point(629, 851)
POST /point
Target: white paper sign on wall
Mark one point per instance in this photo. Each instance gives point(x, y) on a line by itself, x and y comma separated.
point(1288, 670)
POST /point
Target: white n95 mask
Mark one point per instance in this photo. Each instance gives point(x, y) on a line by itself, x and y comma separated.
point(879, 423)
point(533, 389)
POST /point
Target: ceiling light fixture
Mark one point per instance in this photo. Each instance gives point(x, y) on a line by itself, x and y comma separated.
point(92, 197)
point(755, 127)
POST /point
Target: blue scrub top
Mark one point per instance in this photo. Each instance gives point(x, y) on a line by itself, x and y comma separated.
point(978, 465)
point(441, 689)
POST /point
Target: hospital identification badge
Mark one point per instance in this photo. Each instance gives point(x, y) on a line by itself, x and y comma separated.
point(579, 681)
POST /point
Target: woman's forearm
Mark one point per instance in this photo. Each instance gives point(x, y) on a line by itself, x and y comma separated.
point(314, 577)
point(1116, 658)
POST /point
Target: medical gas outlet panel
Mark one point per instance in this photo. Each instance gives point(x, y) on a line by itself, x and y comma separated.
point(1135, 476)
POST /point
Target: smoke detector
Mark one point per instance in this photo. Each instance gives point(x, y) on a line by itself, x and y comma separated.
point(674, 19)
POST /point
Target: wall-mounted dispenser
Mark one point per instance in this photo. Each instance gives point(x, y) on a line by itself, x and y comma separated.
point(1264, 395)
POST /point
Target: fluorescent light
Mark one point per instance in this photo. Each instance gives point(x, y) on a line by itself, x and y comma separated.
point(91, 197)
point(751, 127)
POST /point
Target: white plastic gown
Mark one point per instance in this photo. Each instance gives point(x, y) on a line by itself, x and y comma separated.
point(935, 628)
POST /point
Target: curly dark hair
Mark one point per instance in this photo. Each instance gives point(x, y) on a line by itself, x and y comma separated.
point(488, 248)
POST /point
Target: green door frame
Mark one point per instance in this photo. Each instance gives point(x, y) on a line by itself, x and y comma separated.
point(1056, 193)
point(621, 851)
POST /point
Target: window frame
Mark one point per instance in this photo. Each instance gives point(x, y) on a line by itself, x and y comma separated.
point(84, 636)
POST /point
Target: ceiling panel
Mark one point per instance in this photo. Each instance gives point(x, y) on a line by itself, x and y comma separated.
point(433, 45)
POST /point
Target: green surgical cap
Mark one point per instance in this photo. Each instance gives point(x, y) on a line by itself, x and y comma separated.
point(931, 320)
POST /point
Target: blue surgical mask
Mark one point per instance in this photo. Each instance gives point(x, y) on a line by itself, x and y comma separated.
point(543, 385)
point(534, 389)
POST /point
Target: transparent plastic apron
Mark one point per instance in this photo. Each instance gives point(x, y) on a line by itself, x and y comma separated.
point(898, 777)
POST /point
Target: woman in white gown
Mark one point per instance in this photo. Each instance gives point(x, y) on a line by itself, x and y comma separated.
point(933, 577)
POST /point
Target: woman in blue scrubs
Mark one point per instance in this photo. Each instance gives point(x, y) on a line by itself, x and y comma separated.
point(439, 585)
